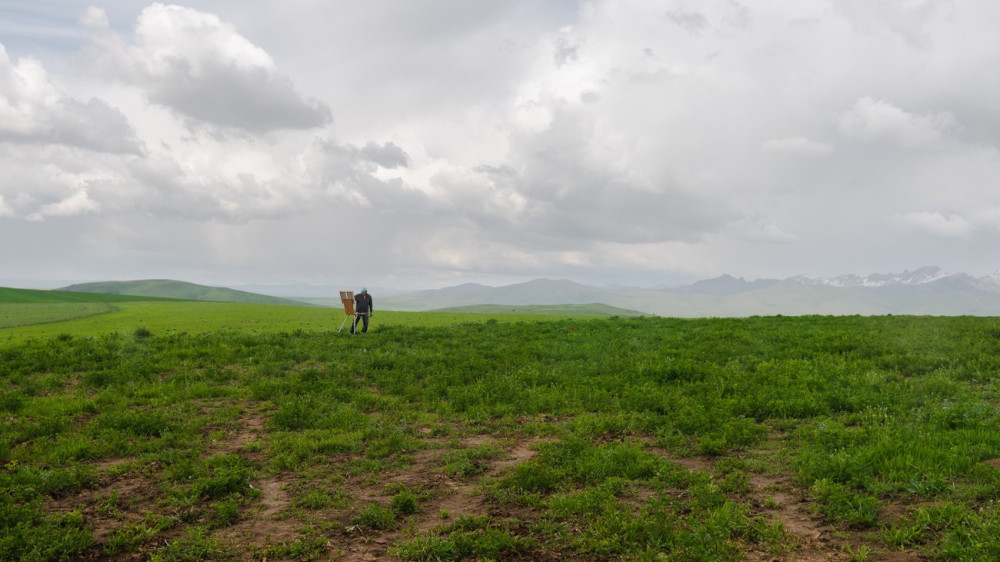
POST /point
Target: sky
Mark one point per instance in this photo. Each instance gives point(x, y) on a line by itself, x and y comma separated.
point(412, 145)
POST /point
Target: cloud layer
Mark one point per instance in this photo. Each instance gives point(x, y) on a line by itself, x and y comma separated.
point(33, 110)
point(605, 141)
point(200, 67)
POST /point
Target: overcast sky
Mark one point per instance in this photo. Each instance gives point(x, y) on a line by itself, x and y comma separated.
point(406, 144)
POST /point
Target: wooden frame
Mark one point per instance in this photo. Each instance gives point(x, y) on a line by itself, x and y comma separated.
point(347, 298)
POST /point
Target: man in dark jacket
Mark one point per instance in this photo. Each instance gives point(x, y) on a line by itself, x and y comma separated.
point(362, 310)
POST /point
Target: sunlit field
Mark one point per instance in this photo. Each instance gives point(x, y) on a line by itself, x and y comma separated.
point(191, 431)
point(94, 319)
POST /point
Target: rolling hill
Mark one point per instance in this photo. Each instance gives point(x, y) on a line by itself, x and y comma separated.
point(165, 288)
point(35, 296)
point(26, 307)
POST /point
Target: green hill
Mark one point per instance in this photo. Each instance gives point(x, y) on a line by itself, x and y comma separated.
point(595, 309)
point(28, 307)
point(165, 288)
point(24, 296)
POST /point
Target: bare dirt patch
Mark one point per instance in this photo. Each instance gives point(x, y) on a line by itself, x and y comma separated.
point(444, 498)
point(250, 431)
point(779, 500)
point(264, 522)
point(522, 452)
point(113, 505)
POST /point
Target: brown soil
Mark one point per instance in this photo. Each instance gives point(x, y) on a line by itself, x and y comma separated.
point(779, 499)
point(273, 519)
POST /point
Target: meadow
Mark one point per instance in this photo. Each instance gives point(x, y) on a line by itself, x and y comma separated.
point(250, 432)
point(44, 320)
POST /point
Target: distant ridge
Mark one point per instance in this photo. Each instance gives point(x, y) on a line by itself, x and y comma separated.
point(924, 291)
point(165, 288)
point(724, 285)
point(536, 292)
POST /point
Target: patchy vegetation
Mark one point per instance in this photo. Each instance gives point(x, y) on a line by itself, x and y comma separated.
point(806, 438)
point(30, 314)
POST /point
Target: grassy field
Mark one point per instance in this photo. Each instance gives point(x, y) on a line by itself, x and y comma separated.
point(42, 320)
point(576, 310)
point(34, 296)
point(26, 314)
point(242, 432)
point(17, 315)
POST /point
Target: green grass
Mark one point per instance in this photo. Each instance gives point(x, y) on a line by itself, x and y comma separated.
point(181, 427)
point(8, 295)
point(16, 315)
point(558, 310)
point(20, 321)
point(28, 307)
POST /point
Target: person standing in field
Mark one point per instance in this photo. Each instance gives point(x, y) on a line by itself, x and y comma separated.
point(362, 310)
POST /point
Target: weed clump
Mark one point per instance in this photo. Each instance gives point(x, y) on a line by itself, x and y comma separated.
point(375, 516)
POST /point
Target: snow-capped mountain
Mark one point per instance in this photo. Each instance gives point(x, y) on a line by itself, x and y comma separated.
point(920, 276)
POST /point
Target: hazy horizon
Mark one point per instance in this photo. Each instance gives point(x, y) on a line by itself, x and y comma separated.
point(330, 289)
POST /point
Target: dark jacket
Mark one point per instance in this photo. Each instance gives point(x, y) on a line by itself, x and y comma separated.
point(363, 303)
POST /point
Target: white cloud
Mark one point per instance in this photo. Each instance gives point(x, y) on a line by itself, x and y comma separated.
point(5, 209)
point(609, 140)
point(76, 204)
point(797, 145)
point(907, 20)
point(531, 117)
point(987, 218)
point(938, 224)
point(202, 68)
point(757, 229)
point(871, 119)
point(33, 110)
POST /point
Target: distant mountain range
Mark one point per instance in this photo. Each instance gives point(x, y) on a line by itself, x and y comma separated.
point(925, 291)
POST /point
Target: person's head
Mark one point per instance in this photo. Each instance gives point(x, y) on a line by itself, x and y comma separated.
point(364, 290)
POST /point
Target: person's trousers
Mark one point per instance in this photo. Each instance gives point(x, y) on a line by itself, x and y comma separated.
point(363, 316)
